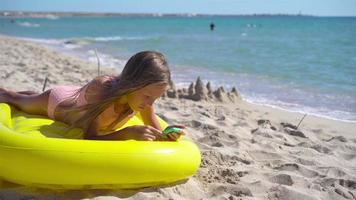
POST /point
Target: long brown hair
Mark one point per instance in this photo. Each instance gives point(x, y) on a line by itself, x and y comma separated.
point(142, 69)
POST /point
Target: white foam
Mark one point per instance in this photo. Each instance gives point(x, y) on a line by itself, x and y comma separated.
point(44, 41)
point(291, 107)
point(28, 24)
point(115, 38)
point(52, 17)
point(105, 60)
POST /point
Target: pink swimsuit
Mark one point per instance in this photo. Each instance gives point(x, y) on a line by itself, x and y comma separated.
point(61, 93)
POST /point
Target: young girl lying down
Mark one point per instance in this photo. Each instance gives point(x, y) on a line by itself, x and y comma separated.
point(106, 102)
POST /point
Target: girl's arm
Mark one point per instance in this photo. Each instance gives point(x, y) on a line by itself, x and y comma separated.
point(137, 132)
point(93, 133)
point(149, 117)
point(132, 132)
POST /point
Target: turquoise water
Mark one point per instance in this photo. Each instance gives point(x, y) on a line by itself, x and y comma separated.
point(304, 64)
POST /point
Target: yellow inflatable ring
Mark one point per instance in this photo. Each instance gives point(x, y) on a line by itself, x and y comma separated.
point(36, 151)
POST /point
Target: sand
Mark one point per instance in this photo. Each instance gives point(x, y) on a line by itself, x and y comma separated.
point(248, 151)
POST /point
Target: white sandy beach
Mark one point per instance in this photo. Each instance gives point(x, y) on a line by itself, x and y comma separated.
point(248, 151)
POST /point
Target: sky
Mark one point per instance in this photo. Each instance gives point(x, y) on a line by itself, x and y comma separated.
point(306, 7)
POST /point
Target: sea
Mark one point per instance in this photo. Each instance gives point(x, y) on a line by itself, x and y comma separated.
point(302, 64)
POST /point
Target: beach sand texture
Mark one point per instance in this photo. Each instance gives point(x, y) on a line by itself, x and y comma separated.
point(248, 151)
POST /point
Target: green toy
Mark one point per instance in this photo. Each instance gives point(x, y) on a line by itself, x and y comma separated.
point(170, 130)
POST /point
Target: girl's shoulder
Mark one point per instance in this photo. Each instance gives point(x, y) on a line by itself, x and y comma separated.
point(98, 85)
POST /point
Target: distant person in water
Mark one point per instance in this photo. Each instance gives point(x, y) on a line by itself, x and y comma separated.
point(212, 26)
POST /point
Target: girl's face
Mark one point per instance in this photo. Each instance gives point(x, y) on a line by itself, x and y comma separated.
point(140, 99)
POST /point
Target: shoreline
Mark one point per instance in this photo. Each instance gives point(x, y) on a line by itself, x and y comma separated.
point(302, 113)
point(118, 64)
point(248, 151)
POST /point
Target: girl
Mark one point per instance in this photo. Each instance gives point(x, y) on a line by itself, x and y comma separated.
point(107, 102)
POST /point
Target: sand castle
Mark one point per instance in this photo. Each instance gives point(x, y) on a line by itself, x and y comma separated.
point(199, 92)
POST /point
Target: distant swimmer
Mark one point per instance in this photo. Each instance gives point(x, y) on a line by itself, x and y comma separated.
point(212, 26)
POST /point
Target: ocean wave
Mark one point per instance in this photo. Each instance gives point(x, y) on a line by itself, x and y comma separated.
point(115, 38)
point(44, 41)
point(28, 24)
point(83, 41)
point(303, 109)
point(106, 60)
point(69, 43)
point(74, 43)
point(52, 17)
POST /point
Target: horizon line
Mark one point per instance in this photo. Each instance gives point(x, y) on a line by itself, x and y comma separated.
point(88, 13)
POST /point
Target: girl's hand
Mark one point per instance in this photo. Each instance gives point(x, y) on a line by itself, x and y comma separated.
point(142, 133)
point(175, 136)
